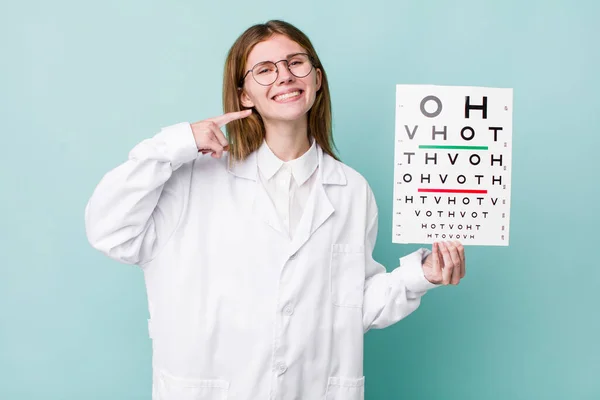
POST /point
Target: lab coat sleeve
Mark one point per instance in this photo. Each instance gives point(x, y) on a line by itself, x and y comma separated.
point(391, 296)
point(137, 205)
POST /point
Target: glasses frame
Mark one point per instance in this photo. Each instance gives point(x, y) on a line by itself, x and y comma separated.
point(310, 60)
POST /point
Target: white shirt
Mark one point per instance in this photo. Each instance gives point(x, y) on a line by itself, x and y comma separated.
point(238, 309)
point(288, 183)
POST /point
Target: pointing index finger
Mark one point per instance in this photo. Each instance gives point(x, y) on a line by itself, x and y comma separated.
point(224, 119)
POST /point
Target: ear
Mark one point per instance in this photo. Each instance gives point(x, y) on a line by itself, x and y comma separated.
point(245, 99)
point(319, 79)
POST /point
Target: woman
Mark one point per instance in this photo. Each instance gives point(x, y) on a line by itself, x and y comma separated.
point(257, 248)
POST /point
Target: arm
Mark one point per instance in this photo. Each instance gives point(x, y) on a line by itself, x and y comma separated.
point(390, 297)
point(137, 205)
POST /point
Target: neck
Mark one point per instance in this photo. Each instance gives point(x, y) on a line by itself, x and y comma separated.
point(288, 140)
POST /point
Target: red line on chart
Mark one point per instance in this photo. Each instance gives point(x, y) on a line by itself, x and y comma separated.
point(453, 191)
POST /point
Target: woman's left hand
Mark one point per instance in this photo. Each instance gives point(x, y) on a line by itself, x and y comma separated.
point(446, 263)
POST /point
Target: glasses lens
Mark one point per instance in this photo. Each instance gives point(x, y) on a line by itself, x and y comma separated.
point(265, 73)
point(300, 65)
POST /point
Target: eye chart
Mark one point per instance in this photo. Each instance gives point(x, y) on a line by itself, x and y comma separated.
point(452, 170)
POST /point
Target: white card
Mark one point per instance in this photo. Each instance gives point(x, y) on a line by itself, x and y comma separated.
point(452, 171)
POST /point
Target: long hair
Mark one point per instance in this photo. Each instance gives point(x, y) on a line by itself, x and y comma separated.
point(247, 134)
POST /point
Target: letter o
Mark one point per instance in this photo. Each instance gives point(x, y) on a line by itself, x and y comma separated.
point(467, 128)
point(436, 112)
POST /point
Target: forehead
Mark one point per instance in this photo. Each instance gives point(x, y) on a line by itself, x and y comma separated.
point(277, 47)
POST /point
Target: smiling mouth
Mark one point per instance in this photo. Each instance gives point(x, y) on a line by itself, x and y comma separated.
point(288, 96)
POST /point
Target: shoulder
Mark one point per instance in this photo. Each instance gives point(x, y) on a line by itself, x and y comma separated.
point(355, 178)
point(338, 172)
point(211, 165)
point(350, 180)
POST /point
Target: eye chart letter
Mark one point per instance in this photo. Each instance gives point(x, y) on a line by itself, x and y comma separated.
point(452, 172)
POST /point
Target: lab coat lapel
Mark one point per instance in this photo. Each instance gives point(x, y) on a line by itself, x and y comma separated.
point(318, 207)
point(265, 210)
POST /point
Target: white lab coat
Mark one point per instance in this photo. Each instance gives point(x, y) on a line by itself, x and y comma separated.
point(238, 310)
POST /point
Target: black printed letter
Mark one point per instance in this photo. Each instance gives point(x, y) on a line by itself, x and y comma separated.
point(469, 107)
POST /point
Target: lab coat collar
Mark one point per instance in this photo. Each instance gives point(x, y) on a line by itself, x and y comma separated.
point(246, 168)
point(318, 207)
point(268, 163)
point(330, 171)
point(302, 167)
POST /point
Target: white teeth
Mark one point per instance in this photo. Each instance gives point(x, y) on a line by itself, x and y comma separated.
point(287, 95)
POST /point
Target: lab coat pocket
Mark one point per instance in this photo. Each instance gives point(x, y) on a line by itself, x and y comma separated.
point(170, 387)
point(345, 388)
point(347, 274)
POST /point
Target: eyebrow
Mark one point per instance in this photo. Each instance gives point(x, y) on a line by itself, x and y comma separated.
point(286, 57)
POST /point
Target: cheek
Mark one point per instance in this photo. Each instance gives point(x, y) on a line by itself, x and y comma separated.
point(314, 83)
point(258, 96)
point(314, 88)
point(262, 104)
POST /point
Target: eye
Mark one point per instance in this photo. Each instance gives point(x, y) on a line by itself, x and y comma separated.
point(264, 68)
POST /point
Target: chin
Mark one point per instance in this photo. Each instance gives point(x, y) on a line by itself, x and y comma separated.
point(289, 115)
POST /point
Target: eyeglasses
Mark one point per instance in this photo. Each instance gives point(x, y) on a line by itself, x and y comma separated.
point(265, 73)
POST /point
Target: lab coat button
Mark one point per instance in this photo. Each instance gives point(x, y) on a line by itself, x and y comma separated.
point(288, 309)
point(281, 368)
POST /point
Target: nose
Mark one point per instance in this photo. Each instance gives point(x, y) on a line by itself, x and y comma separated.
point(284, 73)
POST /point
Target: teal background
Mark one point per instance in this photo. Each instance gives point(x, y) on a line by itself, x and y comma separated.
point(83, 82)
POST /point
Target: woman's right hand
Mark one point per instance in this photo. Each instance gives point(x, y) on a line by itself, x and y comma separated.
point(208, 135)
